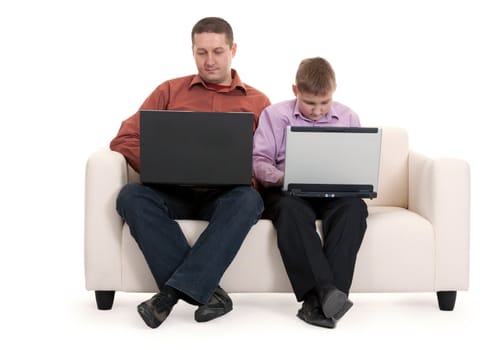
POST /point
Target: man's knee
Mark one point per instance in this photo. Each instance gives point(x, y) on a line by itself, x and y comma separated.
point(248, 198)
point(127, 197)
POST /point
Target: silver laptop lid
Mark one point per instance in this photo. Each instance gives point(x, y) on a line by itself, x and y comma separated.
point(339, 157)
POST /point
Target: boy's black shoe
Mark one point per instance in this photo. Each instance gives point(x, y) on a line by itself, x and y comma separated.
point(312, 313)
point(334, 302)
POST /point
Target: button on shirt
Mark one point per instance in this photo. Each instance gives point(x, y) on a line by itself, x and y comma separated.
point(269, 139)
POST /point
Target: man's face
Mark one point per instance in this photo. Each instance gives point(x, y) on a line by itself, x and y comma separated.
point(213, 57)
point(312, 106)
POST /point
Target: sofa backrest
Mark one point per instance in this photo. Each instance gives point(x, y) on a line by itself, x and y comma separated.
point(393, 176)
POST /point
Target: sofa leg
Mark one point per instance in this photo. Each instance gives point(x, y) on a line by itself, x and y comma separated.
point(446, 300)
point(105, 299)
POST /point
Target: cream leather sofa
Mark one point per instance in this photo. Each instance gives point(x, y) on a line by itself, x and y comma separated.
point(417, 238)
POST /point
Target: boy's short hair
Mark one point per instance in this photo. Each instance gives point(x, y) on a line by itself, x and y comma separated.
point(315, 76)
point(214, 25)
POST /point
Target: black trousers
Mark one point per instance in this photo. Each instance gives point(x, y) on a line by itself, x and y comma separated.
point(309, 263)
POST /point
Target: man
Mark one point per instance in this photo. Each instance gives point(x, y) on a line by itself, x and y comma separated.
point(320, 275)
point(183, 272)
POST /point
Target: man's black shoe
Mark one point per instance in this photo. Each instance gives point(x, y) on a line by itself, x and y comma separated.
point(334, 302)
point(312, 313)
point(219, 304)
point(155, 310)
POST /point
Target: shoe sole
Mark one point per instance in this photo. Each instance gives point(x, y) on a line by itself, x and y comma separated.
point(334, 304)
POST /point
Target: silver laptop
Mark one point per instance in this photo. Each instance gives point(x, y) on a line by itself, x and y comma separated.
point(332, 161)
point(205, 149)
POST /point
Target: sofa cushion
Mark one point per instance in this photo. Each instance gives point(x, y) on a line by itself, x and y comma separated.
point(385, 260)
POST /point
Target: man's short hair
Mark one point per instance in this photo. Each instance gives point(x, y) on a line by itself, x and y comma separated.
point(315, 76)
point(214, 25)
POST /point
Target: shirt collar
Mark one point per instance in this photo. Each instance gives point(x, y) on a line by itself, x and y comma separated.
point(328, 118)
point(235, 84)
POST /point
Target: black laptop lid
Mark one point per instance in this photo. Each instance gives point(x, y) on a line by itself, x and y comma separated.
point(196, 148)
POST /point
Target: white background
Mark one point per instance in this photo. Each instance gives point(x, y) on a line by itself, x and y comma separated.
point(71, 71)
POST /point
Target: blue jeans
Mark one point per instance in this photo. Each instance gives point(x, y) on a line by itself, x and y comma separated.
point(151, 211)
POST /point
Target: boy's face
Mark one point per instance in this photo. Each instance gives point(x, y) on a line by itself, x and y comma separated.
point(312, 106)
point(213, 57)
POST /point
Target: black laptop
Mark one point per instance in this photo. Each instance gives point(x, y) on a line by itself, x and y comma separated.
point(332, 161)
point(203, 149)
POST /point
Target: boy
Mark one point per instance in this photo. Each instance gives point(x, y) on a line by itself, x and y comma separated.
point(320, 274)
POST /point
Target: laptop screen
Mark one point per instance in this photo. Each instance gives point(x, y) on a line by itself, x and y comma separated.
point(332, 161)
point(196, 148)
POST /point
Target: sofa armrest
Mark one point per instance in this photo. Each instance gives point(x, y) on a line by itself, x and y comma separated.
point(439, 190)
point(106, 173)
